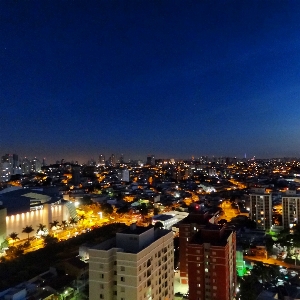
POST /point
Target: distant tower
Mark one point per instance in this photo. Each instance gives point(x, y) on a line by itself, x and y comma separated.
point(76, 175)
point(101, 160)
point(113, 160)
point(122, 159)
point(150, 160)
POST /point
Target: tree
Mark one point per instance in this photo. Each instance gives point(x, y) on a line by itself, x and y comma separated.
point(73, 221)
point(122, 210)
point(14, 252)
point(107, 208)
point(156, 211)
point(64, 224)
point(27, 229)
point(82, 218)
point(4, 244)
point(49, 240)
point(53, 224)
point(143, 210)
point(14, 237)
point(159, 225)
point(86, 200)
point(41, 229)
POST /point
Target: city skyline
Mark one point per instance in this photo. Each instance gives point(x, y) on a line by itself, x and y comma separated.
point(174, 79)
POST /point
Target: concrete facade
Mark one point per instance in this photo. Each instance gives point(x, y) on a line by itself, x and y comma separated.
point(261, 210)
point(137, 264)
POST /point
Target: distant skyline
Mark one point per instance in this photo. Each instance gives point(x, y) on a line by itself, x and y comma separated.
point(171, 78)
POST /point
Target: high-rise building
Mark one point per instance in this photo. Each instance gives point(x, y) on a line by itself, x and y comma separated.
point(290, 209)
point(207, 258)
point(36, 165)
point(150, 160)
point(101, 160)
point(261, 210)
point(113, 160)
point(9, 166)
point(26, 166)
point(136, 264)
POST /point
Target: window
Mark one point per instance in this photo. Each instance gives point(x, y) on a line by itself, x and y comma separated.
point(214, 253)
point(115, 283)
point(214, 260)
point(101, 275)
point(198, 284)
point(214, 287)
point(122, 278)
point(101, 286)
point(198, 251)
point(101, 296)
point(115, 293)
point(122, 268)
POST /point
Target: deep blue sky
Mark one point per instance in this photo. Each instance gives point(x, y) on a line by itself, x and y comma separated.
point(169, 78)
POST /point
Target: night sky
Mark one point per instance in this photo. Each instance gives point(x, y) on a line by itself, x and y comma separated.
point(171, 78)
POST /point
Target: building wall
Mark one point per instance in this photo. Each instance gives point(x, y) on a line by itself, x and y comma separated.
point(148, 274)
point(186, 231)
point(16, 223)
point(3, 230)
point(290, 210)
point(261, 210)
point(212, 270)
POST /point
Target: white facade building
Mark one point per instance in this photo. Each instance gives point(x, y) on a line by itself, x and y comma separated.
point(138, 264)
point(290, 209)
point(261, 210)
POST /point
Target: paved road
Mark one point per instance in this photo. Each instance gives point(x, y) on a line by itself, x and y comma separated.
point(271, 261)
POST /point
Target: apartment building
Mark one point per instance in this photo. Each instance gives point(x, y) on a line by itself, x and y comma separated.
point(290, 209)
point(137, 264)
point(261, 210)
point(207, 258)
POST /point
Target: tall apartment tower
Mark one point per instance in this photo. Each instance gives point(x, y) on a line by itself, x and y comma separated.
point(137, 264)
point(207, 258)
point(101, 160)
point(290, 209)
point(261, 210)
point(113, 160)
point(150, 160)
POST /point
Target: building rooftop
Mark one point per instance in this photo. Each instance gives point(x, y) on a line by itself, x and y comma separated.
point(124, 243)
point(20, 200)
point(212, 234)
point(162, 217)
point(133, 229)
